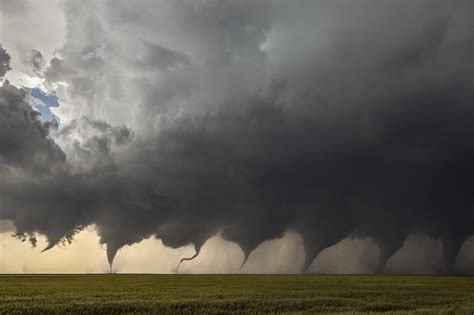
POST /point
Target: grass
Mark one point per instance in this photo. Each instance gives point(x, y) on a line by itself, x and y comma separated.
point(158, 294)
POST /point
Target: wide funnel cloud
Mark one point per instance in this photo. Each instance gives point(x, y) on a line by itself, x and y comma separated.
point(186, 119)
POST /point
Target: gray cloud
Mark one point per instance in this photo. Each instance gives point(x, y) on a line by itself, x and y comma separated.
point(4, 61)
point(251, 119)
point(36, 61)
point(24, 141)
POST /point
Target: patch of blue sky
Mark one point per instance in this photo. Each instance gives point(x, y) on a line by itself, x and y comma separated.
point(42, 102)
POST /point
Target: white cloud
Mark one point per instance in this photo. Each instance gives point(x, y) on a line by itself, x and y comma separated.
point(26, 25)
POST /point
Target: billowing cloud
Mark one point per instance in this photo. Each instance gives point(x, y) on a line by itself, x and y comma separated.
point(27, 28)
point(35, 60)
point(4, 61)
point(249, 120)
point(24, 141)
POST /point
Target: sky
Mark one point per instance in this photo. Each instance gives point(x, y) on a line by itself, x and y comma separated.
point(236, 136)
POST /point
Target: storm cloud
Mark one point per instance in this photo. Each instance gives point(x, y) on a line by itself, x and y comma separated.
point(4, 61)
point(249, 119)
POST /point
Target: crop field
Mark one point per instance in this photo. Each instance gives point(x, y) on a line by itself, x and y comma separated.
point(158, 294)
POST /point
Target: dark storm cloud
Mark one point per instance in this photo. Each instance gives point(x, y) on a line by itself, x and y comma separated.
point(24, 140)
point(4, 61)
point(364, 127)
point(26, 149)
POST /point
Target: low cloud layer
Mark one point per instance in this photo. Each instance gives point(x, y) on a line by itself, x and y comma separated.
point(248, 120)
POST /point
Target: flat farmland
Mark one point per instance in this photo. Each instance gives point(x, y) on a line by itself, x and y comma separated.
point(174, 294)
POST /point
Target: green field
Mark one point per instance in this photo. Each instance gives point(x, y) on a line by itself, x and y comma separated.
point(157, 294)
